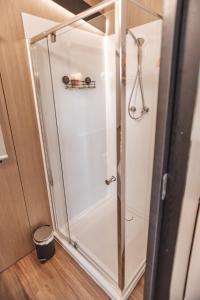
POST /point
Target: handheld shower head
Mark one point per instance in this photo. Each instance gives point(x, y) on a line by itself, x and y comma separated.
point(138, 82)
point(140, 41)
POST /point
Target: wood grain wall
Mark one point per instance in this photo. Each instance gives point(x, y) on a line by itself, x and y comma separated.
point(136, 16)
point(20, 103)
point(15, 237)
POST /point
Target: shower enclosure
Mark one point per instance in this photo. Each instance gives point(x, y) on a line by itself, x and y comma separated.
point(96, 81)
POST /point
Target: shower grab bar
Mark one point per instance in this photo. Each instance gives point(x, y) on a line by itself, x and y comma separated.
point(102, 5)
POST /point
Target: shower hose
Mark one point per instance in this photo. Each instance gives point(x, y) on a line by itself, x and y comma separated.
point(137, 83)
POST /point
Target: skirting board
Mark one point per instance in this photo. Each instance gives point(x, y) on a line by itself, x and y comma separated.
point(107, 285)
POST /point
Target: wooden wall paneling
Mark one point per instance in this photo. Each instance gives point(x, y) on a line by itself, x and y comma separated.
point(15, 234)
point(136, 16)
point(16, 80)
point(20, 102)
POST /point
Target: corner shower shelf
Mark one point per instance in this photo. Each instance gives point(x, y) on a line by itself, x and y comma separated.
point(82, 84)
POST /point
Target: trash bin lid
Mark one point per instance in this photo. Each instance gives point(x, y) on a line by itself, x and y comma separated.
point(43, 233)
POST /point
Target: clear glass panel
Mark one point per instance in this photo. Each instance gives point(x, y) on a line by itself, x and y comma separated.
point(142, 73)
point(45, 103)
point(86, 123)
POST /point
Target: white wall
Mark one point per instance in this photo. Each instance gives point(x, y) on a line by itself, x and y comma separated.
point(81, 116)
point(34, 25)
point(140, 137)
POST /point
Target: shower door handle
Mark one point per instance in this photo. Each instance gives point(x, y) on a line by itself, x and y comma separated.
point(110, 180)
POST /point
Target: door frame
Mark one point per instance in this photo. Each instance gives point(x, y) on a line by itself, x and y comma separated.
point(178, 83)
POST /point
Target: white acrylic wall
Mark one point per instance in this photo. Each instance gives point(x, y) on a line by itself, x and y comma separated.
point(140, 137)
point(81, 116)
point(140, 140)
point(141, 134)
point(34, 25)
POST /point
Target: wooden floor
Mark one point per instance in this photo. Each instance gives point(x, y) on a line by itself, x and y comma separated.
point(58, 279)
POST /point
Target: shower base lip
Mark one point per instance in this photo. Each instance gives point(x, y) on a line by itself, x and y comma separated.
point(107, 285)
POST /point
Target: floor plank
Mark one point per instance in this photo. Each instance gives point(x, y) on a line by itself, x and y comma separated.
point(137, 294)
point(61, 278)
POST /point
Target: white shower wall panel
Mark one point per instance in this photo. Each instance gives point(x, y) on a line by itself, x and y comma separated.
point(140, 140)
point(140, 135)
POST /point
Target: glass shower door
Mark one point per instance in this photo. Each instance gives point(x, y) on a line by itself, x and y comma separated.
point(83, 80)
point(49, 134)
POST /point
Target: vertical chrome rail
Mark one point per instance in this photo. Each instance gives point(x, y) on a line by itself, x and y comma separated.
point(120, 28)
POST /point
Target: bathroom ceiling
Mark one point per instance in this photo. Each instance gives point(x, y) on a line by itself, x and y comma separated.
point(75, 6)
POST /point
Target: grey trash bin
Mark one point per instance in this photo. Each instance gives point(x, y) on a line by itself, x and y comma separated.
point(44, 243)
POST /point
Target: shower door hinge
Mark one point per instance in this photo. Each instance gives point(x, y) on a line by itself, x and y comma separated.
point(53, 37)
point(74, 244)
point(50, 177)
point(164, 186)
point(51, 181)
